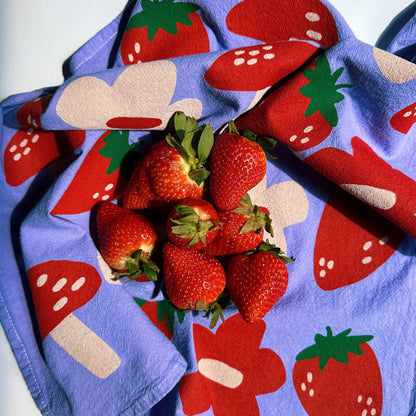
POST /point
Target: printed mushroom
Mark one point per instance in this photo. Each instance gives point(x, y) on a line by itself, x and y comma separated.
point(60, 287)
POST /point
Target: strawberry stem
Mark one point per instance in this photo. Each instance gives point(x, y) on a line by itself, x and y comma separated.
point(336, 347)
point(137, 265)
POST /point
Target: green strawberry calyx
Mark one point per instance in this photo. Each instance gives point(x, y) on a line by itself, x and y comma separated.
point(193, 143)
point(273, 249)
point(332, 346)
point(265, 142)
point(190, 226)
point(323, 90)
point(257, 219)
point(162, 14)
point(137, 264)
point(215, 310)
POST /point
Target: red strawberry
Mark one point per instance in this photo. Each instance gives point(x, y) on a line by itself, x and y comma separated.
point(29, 151)
point(242, 229)
point(404, 119)
point(99, 177)
point(254, 68)
point(335, 361)
point(126, 241)
point(193, 279)
point(237, 164)
point(301, 113)
point(173, 169)
point(29, 114)
point(257, 280)
point(283, 20)
point(163, 29)
point(194, 223)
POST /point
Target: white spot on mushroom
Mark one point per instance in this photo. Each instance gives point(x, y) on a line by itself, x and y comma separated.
point(60, 304)
point(35, 138)
point(267, 47)
point(29, 131)
point(13, 148)
point(303, 387)
point(239, 61)
point(305, 140)
point(252, 61)
point(322, 273)
point(23, 143)
point(78, 284)
point(254, 52)
point(41, 280)
point(312, 17)
point(27, 151)
point(17, 157)
point(311, 392)
point(34, 123)
point(369, 400)
point(29, 119)
point(407, 114)
point(220, 372)
point(367, 245)
point(367, 260)
point(364, 413)
point(384, 240)
point(359, 399)
point(373, 411)
point(59, 285)
point(239, 52)
point(269, 56)
point(314, 35)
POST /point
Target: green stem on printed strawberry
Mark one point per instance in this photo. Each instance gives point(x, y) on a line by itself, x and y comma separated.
point(137, 265)
point(257, 219)
point(323, 90)
point(162, 14)
point(336, 347)
point(194, 144)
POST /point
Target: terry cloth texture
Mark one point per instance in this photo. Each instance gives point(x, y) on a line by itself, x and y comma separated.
point(341, 194)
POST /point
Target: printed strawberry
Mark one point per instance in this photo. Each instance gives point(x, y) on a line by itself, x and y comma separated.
point(237, 164)
point(283, 20)
point(194, 223)
point(371, 240)
point(302, 112)
point(173, 169)
point(30, 151)
point(242, 229)
point(334, 361)
point(163, 29)
point(99, 177)
point(254, 68)
point(404, 119)
point(126, 241)
point(29, 114)
point(257, 280)
point(194, 280)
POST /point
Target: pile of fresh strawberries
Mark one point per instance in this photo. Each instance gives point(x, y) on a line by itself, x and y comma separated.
point(211, 243)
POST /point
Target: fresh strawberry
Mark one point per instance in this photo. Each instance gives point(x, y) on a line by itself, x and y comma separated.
point(253, 68)
point(404, 119)
point(334, 361)
point(283, 20)
point(173, 169)
point(163, 29)
point(237, 164)
point(242, 229)
point(194, 280)
point(193, 223)
point(29, 151)
point(29, 114)
point(106, 183)
point(126, 241)
point(257, 280)
point(301, 112)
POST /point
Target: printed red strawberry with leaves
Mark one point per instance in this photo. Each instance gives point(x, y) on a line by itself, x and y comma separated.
point(257, 280)
point(242, 229)
point(30, 151)
point(283, 20)
point(29, 113)
point(336, 361)
point(254, 68)
point(126, 240)
point(163, 29)
point(162, 313)
point(99, 177)
point(173, 169)
point(302, 112)
point(193, 223)
point(237, 164)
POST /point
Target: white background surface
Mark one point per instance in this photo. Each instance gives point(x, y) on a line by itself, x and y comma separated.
point(36, 36)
